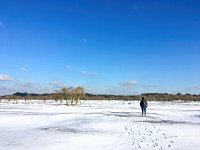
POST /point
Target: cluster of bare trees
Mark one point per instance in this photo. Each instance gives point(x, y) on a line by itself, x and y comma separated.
point(70, 94)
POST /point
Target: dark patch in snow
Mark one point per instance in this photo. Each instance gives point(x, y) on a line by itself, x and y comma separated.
point(198, 116)
point(169, 122)
point(71, 130)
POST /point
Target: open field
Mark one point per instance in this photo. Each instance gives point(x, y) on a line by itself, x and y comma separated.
point(106, 125)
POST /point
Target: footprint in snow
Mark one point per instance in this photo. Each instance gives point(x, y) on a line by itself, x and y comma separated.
point(148, 137)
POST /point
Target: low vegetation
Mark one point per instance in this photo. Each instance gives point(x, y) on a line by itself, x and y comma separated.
point(71, 96)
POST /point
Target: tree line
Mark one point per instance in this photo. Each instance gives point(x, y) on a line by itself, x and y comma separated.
point(71, 95)
point(148, 96)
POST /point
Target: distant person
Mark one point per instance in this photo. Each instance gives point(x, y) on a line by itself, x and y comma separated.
point(143, 105)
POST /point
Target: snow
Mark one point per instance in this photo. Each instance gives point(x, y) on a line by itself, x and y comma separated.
point(97, 125)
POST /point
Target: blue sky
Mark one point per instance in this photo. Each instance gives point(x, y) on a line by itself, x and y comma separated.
point(107, 46)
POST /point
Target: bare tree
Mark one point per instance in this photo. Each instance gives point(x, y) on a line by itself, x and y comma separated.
point(67, 94)
point(79, 93)
point(73, 94)
point(57, 96)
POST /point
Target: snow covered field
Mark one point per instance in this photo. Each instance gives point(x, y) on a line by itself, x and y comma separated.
point(99, 125)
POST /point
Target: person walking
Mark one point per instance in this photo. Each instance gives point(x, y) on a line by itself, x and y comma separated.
point(143, 105)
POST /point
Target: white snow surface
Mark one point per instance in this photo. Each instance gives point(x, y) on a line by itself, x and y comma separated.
point(99, 125)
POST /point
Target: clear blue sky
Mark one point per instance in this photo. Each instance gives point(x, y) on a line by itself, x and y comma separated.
point(107, 46)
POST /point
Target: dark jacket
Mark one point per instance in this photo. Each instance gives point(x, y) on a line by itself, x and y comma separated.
point(143, 103)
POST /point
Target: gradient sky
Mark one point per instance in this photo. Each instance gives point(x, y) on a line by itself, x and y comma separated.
point(107, 46)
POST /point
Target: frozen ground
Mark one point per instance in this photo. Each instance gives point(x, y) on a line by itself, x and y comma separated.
point(95, 125)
